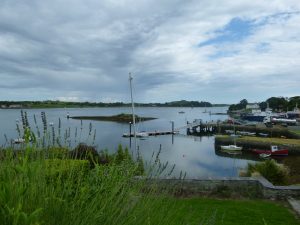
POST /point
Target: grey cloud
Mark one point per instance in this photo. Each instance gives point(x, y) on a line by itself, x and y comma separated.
point(86, 48)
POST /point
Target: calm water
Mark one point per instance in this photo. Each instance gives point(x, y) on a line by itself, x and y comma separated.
point(194, 155)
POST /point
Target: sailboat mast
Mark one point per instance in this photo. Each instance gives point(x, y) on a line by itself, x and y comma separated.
point(132, 109)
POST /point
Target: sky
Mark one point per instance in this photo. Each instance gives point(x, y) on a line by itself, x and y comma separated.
point(202, 50)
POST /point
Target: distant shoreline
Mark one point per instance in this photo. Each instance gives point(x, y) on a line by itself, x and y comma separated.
point(59, 104)
point(76, 107)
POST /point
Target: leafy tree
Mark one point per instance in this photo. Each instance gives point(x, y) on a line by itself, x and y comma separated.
point(278, 103)
point(294, 102)
point(241, 105)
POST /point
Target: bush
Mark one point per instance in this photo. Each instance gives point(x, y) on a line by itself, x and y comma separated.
point(86, 152)
point(272, 171)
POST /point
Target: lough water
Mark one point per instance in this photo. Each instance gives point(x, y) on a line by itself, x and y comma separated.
point(194, 155)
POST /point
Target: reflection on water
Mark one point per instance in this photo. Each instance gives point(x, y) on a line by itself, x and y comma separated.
point(196, 156)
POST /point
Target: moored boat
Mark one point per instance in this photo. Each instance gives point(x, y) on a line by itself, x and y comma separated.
point(138, 134)
point(18, 140)
point(274, 151)
point(231, 148)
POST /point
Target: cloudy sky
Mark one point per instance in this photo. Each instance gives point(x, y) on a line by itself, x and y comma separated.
point(83, 50)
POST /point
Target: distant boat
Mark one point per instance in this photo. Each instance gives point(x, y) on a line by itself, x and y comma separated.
point(264, 155)
point(138, 134)
point(19, 140)
point(205, 111)
point(181, 112)
point(142, 134)
point(274, 151)
point(231, 148)
point(263, 134)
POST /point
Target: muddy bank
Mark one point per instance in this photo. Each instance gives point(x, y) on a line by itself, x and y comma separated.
point(120, 118)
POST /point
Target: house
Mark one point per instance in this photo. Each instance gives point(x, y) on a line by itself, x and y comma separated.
point(252, 106)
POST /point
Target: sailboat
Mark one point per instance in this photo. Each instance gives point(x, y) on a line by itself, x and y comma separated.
point(233, 147)
point(205, 111)
point(135, 133)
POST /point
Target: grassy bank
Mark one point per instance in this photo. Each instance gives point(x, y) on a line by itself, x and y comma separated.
point(275, 131)
point(258, 142)
point(37, 187)
point(64, 191)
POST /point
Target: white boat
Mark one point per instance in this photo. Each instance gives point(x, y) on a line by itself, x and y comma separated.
point(264, 155)
point(138, 134)
point(142, 134)
point(19, 140)
point(231, 148)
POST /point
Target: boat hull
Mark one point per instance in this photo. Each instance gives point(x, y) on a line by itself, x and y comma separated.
point(281, 152)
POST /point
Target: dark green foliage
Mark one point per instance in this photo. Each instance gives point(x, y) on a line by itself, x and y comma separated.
point(60, 104)
point(83, 151)
point(293, 102)
point(123, 156)
point(278, 103)
point(275, 103)
point(241, 105)
point(272, 171)
point(281, 103)
point(184, 103)
point(120, 156)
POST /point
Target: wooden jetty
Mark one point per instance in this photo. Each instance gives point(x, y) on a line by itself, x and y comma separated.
point(199, 127)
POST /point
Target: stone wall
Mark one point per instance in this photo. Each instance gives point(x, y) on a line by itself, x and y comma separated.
point(246, 186)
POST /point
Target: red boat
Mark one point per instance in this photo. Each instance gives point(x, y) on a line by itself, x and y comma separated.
point(273, 151)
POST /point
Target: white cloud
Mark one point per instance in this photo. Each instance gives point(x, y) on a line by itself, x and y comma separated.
point(84, 50)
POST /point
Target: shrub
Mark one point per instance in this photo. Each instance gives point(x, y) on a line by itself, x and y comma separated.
point(86, 152)
point(272, 171)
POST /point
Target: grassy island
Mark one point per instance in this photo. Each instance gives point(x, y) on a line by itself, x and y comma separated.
point(121, 118)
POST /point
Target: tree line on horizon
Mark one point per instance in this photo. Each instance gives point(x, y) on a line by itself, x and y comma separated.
point(62, 104)
point(278, 104)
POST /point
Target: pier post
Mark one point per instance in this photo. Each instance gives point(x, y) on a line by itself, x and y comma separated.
point(172, 126)
point(130, 134)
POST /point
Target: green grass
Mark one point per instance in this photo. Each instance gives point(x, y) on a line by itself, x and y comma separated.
point(295, 131)
point(35, 191)
point(196, 211)
point(269, 141)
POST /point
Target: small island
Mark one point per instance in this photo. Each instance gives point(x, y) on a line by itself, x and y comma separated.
point(120, 118)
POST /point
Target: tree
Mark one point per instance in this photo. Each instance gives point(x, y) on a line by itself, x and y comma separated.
point(278, 103)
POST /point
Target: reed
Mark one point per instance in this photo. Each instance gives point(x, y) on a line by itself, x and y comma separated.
point(43, 182)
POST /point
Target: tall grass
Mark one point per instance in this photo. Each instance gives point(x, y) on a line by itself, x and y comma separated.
point(35, 189)
point(43, 184)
